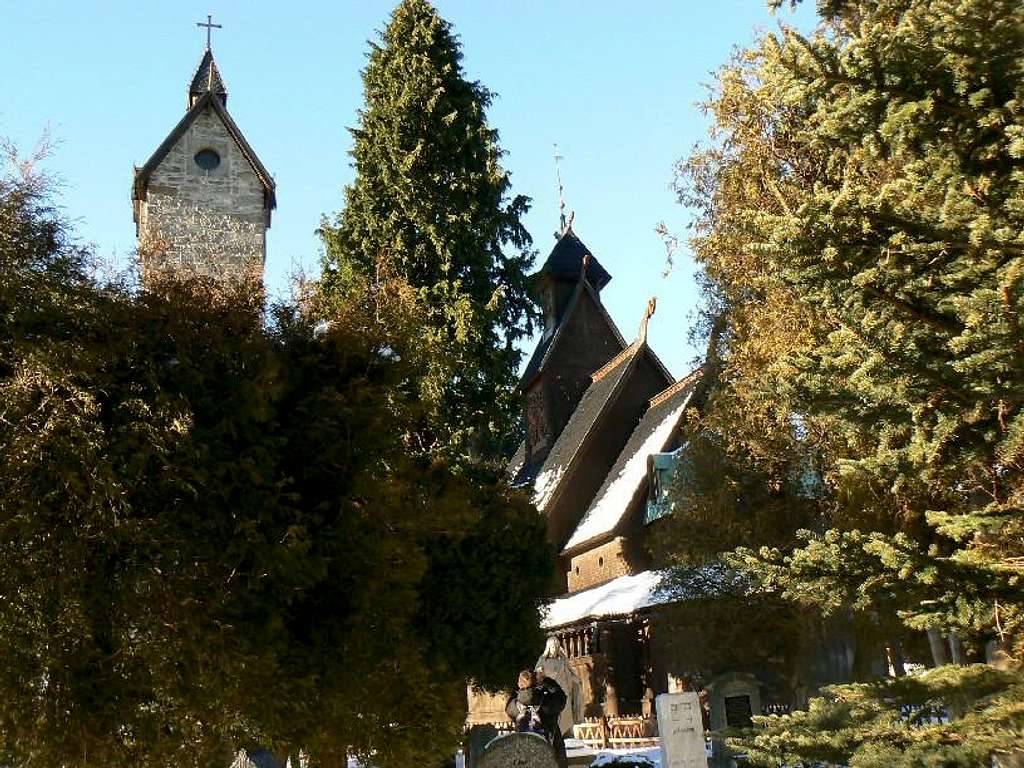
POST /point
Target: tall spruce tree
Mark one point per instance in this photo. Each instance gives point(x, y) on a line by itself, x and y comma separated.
point(430, 204)
point(861, 234)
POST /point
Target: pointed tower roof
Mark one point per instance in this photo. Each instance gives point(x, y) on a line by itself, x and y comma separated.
point(563, 263)
point(549, 341)
point(207, 79)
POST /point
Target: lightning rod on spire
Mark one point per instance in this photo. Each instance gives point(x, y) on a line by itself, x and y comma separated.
point(561, 190)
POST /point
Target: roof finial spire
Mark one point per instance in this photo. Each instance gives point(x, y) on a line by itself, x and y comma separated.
point(561, 190)
point(210, 26)
point(652, 304)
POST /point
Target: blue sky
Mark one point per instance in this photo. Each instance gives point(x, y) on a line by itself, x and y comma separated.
point(616, 84)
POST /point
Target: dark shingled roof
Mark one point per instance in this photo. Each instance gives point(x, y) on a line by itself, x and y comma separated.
point(516, 462)
point(661, 406)
point(548, 342)
point(207, 78)
point(208, 100)
point(566, 260)
point(540, 354)
point(599, 394)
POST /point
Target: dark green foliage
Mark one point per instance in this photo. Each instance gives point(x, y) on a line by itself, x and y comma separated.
point(860, 232)
point(213, 533)
point(629, 761)
point(725, 498)
point(44, 272)
point(430, 205)
point(472, 581)
point(705, 637)
point(953, 717)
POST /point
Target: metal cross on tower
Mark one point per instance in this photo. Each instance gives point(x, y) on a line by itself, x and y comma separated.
point(209, 27)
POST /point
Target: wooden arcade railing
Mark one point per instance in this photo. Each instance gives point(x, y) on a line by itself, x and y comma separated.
point(617, 732)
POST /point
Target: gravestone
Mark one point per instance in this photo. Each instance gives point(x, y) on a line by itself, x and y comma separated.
point(518, 750)
point(734, 698)
point(738, 712)
point(256, 758)
point(478, 737)
point(681, 730)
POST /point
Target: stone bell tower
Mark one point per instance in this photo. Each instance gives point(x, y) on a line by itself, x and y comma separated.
point(202, 202)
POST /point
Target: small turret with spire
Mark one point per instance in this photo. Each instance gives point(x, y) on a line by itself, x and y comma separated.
point(569, 262)
point(207, 77)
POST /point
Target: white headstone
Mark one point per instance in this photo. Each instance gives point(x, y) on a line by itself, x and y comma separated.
point(681, 730)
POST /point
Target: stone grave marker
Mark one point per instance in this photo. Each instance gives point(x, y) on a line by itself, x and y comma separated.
point(518, 750)
point(681, 730)
point(478, 737)
point(256, 758)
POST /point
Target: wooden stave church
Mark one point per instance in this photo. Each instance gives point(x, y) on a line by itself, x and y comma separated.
point(592, 403)
point(603, 421)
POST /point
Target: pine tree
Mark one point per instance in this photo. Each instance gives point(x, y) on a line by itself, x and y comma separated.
point(862, 237)
point(430, 204)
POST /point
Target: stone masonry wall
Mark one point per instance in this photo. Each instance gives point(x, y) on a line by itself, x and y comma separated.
point(595, 566)
point(213, 222)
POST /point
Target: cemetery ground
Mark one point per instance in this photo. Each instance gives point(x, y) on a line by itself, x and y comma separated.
point(682, 743)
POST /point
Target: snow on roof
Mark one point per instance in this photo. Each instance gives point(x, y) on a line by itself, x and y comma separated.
point(515, 464)
point(620, 596)
point(581, 424)
point(647, 589)
point(545, 485)
point(615, 496)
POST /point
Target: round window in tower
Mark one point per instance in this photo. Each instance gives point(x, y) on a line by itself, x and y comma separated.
point(207, 159)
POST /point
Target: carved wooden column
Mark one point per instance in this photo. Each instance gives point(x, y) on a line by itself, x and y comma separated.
point(611, 693)
point(647, 681)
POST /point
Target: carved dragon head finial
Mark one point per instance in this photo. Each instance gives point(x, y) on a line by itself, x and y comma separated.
point(652, 304)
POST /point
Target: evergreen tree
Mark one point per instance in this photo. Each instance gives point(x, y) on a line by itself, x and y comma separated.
point(860, 232)
point(213, 534)
point(723, 498)
point(430, 204)
point(901, 723)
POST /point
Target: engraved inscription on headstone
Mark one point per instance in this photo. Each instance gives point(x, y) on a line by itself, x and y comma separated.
point(737, 712)
point(681, 729)
point(518, 750)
